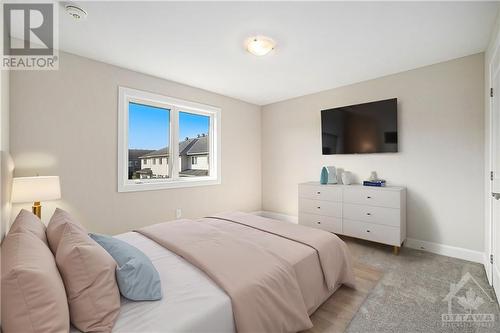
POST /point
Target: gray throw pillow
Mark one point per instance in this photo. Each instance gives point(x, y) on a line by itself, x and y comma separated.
point(137, 278)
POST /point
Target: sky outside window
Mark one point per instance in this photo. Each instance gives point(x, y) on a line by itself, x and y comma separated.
point(191, 125)
point(149, 126)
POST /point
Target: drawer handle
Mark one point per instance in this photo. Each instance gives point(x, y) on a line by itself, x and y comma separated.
point(368, 197)
point(369, 214)
point(318, 192)
point(367, 230)
point(319, 222)
point(319, 207)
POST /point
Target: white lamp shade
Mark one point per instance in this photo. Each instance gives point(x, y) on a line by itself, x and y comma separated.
point(30, 189)
point(260, 45)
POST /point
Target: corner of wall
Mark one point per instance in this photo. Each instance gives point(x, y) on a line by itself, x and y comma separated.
point(261, 110)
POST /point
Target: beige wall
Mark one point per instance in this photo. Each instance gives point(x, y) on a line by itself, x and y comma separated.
point(6, 165)
point(65, 123)
point(4, 107)
point(5, 162)
point(441, 158)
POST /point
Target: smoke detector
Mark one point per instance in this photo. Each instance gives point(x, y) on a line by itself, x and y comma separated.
point(76, 12)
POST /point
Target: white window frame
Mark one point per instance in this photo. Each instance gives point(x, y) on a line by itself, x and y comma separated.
point(175, 105)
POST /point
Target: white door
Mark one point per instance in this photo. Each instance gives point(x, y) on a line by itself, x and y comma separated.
point(494, 198)
point(496, 235)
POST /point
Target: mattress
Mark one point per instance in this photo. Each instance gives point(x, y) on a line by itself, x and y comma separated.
point(191, 301)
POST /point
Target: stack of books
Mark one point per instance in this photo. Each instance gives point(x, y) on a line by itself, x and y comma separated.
point(377, 183)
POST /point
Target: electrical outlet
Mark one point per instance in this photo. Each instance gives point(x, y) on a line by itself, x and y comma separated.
point(178, 213)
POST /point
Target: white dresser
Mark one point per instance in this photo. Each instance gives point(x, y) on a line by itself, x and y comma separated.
point(373, 213)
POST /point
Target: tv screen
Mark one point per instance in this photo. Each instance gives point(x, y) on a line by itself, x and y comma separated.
point(361, 129)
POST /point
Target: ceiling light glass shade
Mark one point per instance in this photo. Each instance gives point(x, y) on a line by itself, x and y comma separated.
point(260, 45)
point(29, 189)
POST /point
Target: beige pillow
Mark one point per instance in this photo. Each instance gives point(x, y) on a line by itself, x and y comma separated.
point(57, 226)
point(30, 222)
point(33, 295)
point(88, 272)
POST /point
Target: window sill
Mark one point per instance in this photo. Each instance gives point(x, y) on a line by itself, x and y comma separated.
point(148, 185)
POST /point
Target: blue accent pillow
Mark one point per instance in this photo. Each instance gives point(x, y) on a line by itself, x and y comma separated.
point(137, 278)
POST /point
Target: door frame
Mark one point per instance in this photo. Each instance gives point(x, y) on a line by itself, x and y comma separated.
point(490, 245)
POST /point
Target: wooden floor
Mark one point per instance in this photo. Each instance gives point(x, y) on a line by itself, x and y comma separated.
point(337, 312)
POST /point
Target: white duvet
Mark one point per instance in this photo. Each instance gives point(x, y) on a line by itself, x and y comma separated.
point(191, 301)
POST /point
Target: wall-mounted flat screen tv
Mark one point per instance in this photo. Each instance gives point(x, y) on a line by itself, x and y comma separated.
point(361, 129)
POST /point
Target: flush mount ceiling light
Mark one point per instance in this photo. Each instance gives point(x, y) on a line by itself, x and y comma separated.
point(76, 12)
point(260, 45)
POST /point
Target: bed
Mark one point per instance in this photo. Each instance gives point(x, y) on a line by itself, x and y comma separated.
point(196, 300)
point(191, 302)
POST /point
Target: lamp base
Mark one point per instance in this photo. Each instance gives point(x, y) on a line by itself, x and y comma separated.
point(37, 209)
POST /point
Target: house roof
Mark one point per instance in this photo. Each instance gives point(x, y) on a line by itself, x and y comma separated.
point(191, 146)
point(134, 154)
point(200, 146)
point(186, 145)
point(156, 153)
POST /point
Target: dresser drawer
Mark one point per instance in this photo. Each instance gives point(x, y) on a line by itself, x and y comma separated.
point(321, 192)
point(372, 214)
point(327, 223)
point(319, 207)
point(373, 232)
point(364, 196)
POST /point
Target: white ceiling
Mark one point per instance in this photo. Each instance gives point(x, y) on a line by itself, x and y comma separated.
point(319, 45)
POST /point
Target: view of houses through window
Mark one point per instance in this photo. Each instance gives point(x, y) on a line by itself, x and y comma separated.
point(149, 154)
point(149, 132)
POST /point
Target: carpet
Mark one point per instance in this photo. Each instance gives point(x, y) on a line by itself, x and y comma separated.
point(410, 297)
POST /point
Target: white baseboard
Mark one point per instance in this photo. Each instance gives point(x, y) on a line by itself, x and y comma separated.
point(445, 250)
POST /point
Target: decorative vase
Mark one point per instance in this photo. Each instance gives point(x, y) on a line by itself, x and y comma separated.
point(332, 174)
point(323, 179)
point(346, 178)
point(328, 175)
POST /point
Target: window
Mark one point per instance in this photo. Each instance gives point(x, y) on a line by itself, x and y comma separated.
point(194, 131)
point(163, 133)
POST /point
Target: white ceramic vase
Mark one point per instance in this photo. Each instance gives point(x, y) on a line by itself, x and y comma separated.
point(346, 178)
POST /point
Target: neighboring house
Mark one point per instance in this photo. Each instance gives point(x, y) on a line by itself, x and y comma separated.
point(134, 163)
point(154, 164)
point(193, 160)
point(193, 156)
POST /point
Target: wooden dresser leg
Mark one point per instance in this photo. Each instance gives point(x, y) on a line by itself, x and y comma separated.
point(396, 250)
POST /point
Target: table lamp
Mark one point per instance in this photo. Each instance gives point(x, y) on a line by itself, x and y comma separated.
point(36, 189)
